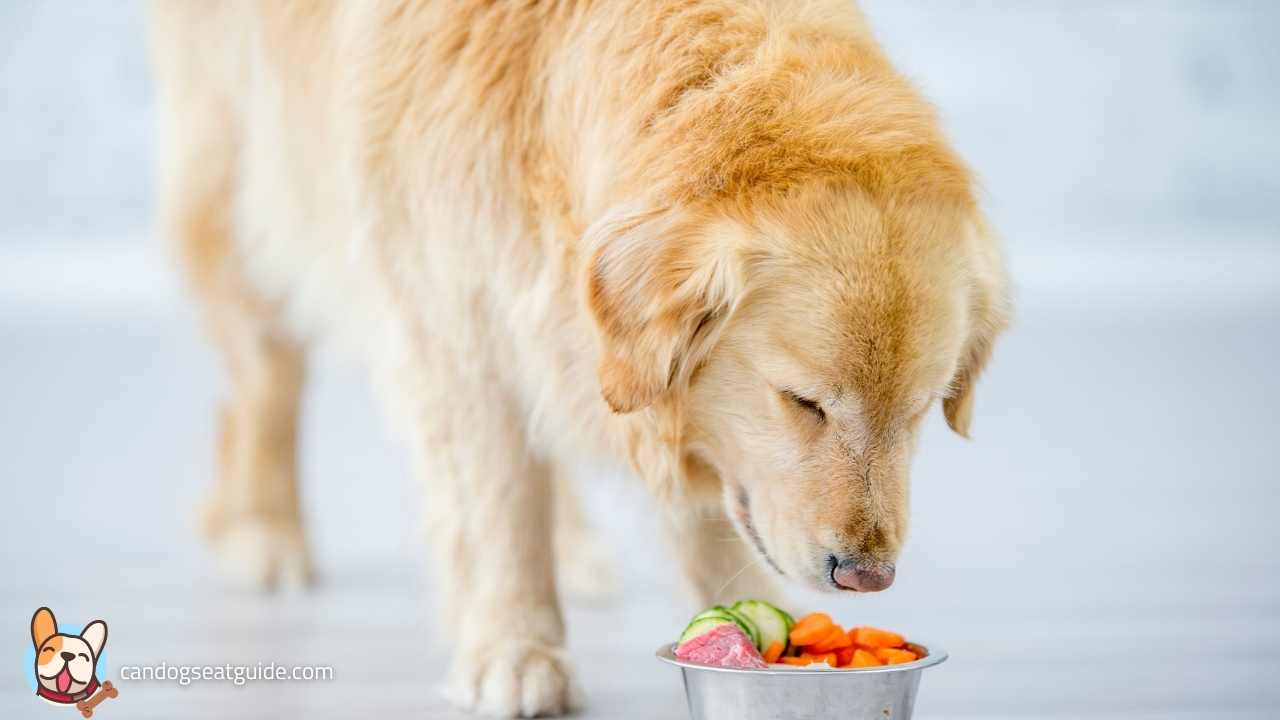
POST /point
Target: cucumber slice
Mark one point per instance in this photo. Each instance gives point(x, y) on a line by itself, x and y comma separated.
point(791, 622)
point(743, 622)
point(773, 625)
point(702, 625)
point(718, 610)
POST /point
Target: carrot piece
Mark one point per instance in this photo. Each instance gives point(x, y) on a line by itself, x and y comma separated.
point(811, 628)
point(773, 652)
point(876, 638)
point(891, 656)
point(863, 658)
point(844, 656)
point(836, 640)
point(800, 661)
point(828, 658)
point(813, 638)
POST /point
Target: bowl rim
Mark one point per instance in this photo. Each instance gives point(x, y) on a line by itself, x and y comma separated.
point(935, 656)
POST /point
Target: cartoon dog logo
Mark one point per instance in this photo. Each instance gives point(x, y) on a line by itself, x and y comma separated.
point(66, 665)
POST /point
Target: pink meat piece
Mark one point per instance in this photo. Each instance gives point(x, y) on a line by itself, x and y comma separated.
point(722, 646)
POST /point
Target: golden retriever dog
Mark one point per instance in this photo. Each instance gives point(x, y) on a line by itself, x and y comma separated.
point(720, 239)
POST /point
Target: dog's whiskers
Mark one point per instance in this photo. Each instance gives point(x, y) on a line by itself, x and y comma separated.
point(716, 595)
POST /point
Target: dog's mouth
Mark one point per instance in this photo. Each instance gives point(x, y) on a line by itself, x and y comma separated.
point(743, 515)
point(63, 679)
point(832, 562)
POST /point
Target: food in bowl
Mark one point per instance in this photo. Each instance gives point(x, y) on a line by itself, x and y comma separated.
point(722, 646)
point(755, 634)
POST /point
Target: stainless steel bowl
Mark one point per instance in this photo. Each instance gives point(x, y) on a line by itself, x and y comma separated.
point(801, 693)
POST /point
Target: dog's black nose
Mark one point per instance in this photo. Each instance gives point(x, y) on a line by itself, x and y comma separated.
point(67, 656)
point(863, 576)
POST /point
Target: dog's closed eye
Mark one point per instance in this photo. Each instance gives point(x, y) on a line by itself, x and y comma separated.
point(86, 657)
point(810, 406)
point(48, 649)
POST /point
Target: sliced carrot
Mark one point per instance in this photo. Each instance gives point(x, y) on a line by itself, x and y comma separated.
point(844, 656)
point(811, 628)
point(836, 640)
point(863, 658)
point(876, 638)
point(812, 640)
point(828, 658)
point(890, 656)
point(773, 652)
point(800, 661)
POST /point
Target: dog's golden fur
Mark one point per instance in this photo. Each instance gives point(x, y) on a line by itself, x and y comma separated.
point(722, 239)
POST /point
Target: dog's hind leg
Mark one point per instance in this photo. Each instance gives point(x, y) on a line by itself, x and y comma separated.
point(253, 518)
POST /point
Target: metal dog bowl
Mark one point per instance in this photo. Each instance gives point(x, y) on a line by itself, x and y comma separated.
point(799, 693)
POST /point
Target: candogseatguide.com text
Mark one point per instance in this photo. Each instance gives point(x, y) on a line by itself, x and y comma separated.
point(236, 674)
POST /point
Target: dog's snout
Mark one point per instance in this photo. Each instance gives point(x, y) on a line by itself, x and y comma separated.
point(67, 656)
point(862, 576)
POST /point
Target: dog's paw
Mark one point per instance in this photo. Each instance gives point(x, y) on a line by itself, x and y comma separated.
point(262, 553)
point(513, 680)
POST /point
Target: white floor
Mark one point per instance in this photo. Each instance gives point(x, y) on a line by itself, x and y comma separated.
point(1104, 548)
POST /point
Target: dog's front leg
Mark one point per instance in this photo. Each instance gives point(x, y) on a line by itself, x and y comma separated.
point(490, 504)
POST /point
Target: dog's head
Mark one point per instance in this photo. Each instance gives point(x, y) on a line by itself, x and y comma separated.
point(65, 663)
point(785, 352)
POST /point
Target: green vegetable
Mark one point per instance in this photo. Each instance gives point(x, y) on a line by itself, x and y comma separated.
point(772, 625)
point(703, 625)
point(722, 615)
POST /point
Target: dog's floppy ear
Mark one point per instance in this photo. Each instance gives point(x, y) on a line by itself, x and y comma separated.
point(659, 288)
point(43, 626)
point(989, 315)
point(95, 633)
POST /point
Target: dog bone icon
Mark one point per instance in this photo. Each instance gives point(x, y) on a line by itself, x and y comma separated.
point(86, 706)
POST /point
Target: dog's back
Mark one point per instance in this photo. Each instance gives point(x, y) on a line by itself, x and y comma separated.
point(304, 129)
